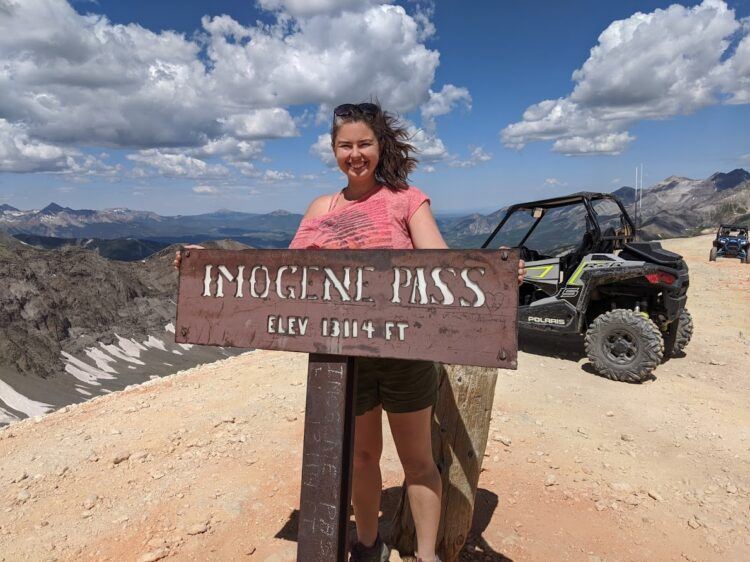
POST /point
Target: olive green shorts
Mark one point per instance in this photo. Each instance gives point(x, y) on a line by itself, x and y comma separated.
point(400, 385)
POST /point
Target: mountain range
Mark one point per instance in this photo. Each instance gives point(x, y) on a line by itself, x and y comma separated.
point(676, 206)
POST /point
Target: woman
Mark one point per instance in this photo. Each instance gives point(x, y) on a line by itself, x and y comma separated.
point(379, 209)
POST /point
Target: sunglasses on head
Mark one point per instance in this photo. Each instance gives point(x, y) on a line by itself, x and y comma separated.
point(350, 109)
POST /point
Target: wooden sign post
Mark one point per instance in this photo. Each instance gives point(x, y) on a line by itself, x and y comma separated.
point(451, 306)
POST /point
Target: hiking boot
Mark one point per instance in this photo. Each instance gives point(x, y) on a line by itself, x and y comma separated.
point(378, 552)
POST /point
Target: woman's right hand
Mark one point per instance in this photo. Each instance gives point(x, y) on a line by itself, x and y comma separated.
point(178, 254)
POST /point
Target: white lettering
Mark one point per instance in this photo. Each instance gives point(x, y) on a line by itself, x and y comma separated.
point(368, 328)
point(389, 329)
point(359, 284)
point(290, 289)
point(476, 289)
point(397, 282)
point(240, 281)
point(207, 282)
point(291, 325)
point(223, 273)
point(448, 298)
point(253, 292)
point(342, 288)
point(420, 286)
point(303, 291)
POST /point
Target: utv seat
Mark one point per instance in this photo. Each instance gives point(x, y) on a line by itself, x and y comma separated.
point(571, 261)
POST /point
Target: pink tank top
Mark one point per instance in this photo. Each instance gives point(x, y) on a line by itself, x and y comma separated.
point(379, 220)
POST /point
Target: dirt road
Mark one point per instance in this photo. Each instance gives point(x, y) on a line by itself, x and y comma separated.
point(205, 464)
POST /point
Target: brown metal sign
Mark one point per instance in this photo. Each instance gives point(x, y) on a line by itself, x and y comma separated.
point(452, 306)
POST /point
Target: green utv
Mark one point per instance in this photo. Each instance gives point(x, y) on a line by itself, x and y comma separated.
point(585, 275)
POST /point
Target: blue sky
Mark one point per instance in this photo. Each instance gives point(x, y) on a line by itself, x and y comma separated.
point(188, 107)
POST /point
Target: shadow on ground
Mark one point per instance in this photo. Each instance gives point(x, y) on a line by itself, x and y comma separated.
point(476, 547)
point(567, 347)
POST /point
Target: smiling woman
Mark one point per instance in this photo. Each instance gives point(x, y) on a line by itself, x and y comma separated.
point(379, 209)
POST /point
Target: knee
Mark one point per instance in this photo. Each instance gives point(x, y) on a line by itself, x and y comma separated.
point(419, 470)
point(366, 458)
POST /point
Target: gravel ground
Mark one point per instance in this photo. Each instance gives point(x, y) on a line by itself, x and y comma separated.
point(205, 464)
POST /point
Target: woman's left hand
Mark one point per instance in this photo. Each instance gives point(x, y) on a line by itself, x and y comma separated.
point(521, 271)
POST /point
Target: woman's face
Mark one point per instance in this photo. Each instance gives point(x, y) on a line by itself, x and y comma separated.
point(357, 151)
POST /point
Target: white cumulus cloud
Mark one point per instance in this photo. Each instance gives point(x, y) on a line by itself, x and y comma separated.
point(276, 175)
point(308, 8)
point(175, 164)
point(19, 153)
point(657, 65)
point(478, 155)
point(261, 124)
point(443, 102)
point(322, 150)
point(73, 81)
point(205, 190)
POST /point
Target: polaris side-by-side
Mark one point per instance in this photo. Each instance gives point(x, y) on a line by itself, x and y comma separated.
point(586, 275)
point(731, 242)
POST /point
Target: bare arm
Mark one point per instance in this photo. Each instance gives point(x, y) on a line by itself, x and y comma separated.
point(318, 207)
point(424, 231)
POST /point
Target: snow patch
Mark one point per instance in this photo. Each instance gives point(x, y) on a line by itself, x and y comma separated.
point(83, 371)
point(6, 417)
point(169, 327)
point(155, 343)
point(19, 402)
point(186, 346)
point(121, 354)
point(176, 352)
point(130, 347)
point(101, 359)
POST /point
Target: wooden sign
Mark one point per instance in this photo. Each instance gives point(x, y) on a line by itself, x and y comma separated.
point(452, 306)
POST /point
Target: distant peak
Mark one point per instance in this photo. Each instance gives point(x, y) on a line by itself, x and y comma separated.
point(6, 207)
point(671, 179)
point(52, 209)
point(729, 180)
point(280, 213)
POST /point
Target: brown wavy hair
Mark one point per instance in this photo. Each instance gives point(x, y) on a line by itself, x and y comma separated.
point(396, 160)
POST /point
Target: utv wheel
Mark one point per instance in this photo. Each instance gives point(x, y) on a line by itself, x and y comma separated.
point(684, 331)
point(623, 345)
point(712, 255)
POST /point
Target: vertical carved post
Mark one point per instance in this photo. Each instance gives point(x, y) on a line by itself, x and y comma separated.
point(460, 426)
point(327, 458)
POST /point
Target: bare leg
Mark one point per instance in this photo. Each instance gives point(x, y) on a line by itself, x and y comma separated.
point(367, 482)
point(412, 436)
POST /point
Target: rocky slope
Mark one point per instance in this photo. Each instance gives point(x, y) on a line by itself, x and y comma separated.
point(90, 324)
point(205, 464)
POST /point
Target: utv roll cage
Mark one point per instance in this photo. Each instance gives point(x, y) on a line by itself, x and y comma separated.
point(729, 228)
point(593, 239)
point(538, 208)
